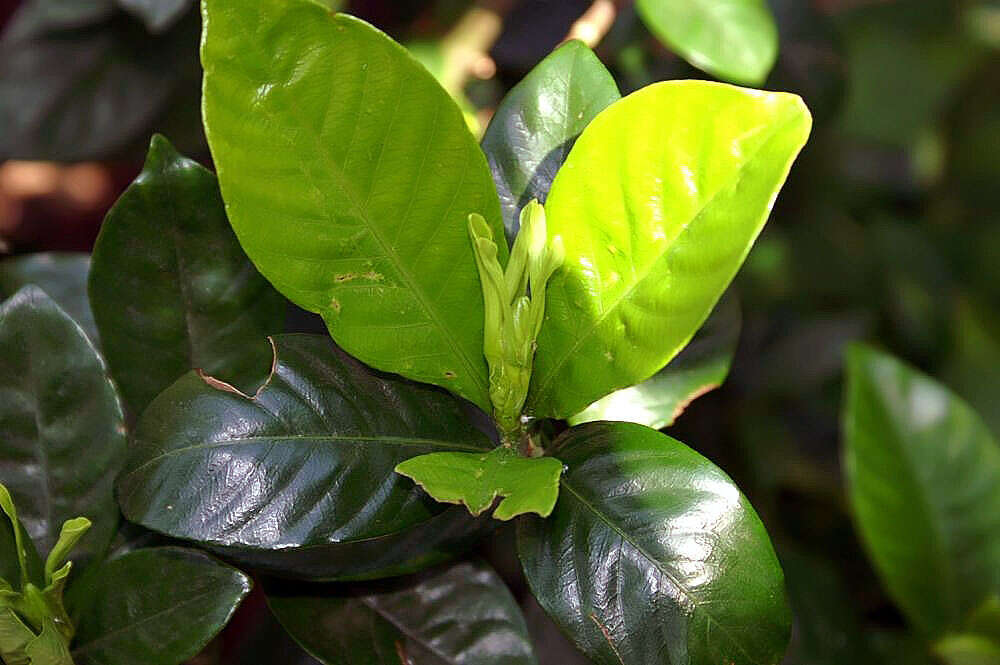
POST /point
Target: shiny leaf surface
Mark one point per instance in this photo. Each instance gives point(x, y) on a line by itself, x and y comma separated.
point(658, 203)
point(171, 288)
point(923, 478)
point(91, 92)
point(348, 175)
point(156, 606)
point(475, 480)
point(701, 367)
point(462, 615)
point(653, 555)
point(733, 40)
point(298, 478)
point(538, 121)
point(63, 277)
point(63, 434)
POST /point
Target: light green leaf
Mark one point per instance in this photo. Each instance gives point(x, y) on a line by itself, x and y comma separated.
point(48, 648)
point(14, 638)
point(70, 534)
point(348, 175)
point(701, 367)
point(658, 204)
point(527, 485)
point(734, 40)
point(965, 649)
point(923, 478)
point(538, 121)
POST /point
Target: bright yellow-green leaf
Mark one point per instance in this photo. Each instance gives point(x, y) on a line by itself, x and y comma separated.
point(527, 485)
point(658, 204)
point(348, 175)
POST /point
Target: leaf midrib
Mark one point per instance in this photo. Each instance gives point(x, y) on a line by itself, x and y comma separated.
point(571, 350)
point(697, 605)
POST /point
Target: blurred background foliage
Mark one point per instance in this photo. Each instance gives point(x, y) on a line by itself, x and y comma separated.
point(888, 229)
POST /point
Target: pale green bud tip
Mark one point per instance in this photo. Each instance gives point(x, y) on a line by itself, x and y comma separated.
point(478, 227)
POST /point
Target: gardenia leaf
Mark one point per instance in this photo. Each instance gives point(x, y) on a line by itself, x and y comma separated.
point(93, 91)
point(527, 485)
point(63, 277)
point(538, 121)
point(14, 638)
point(48, 648)
point(462, 615)
point(734, 40)
point(653, 555)
point(298, 477)
point(923, 478)
point(658, 203)
point(701, 367)
point(348, 175)
point(157, 607)
point(62, 423)
point(171, 288)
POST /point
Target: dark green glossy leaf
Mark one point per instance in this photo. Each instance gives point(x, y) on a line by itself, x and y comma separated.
point(156, 606)
point(349, 176)
point(61, 422)
point(701, 367)
point(537, 123)
point(654, 556)
point(923, 477)
point(63, 277)
point(734, 40)
point(657, 205)
point(527, 485)
point(298, 478)
point(462, 615)
point(158, 15)
point(91, 92)
point(171, 288)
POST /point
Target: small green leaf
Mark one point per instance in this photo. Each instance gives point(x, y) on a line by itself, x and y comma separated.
point(658, 203)
point(538, 121)
point(298, 478)
point(653, 555)
point(923, 478)
point(171, 288)
point(14, 638)
point(71, 533)
point(49, 648)
point(62, 275)
point(527, 485)
point(349, 175)
point(734, 40)
point(156, 606)
point(461, 615)
point(62, 423)
point(701, 367)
